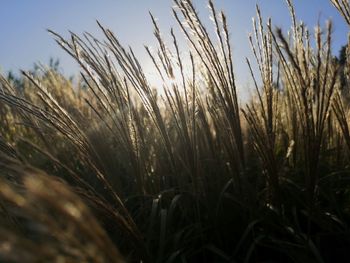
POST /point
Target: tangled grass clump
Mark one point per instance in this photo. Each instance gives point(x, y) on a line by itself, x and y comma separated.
point(112, 171)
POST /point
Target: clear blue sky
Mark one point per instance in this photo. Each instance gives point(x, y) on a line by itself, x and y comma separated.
point(24, 39)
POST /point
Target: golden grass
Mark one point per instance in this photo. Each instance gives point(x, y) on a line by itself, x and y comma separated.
point(188, 174)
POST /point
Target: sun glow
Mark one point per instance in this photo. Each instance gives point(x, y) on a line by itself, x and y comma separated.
point(162, 82)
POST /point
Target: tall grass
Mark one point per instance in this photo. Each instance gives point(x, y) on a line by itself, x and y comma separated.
point(188, 174)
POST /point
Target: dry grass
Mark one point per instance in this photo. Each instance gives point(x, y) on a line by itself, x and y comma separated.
point(188, 174)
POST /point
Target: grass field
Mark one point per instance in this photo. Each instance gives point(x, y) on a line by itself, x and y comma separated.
point(113, 169)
